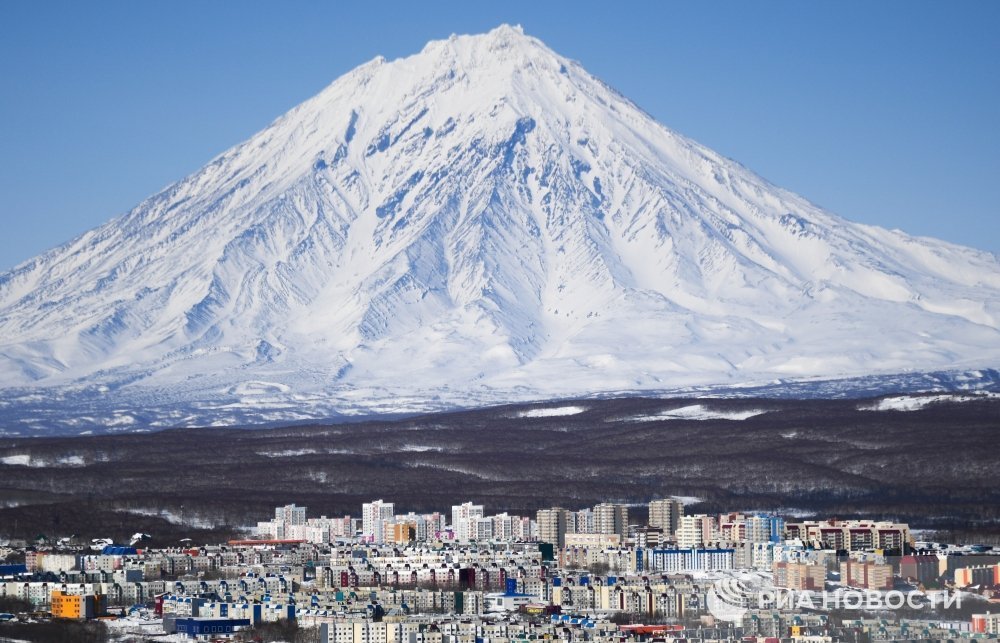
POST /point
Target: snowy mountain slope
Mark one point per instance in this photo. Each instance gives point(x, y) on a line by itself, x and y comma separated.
point(481, 221)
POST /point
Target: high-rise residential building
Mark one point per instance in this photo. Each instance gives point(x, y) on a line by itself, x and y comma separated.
point(374, 516)
point(758, 529)
point(666, 514)
point(290, 515)
point(777, 529)
point(503, 526)
point(582, 522)
point(611, 519)
point(695, 531)
point(437, 521)
point(401, 532)
point(481, 529)
point(552, 525)
point(419, 523)
point(523, 528)
point(463, 519)
point(732, 527)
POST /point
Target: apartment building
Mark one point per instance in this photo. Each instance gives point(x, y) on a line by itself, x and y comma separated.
point(799, 576)
point(852, 535)
point(611, 519)
point(374, 516)
point(290, 514)
point(463, 521)
point(866, 574)
point(695, 531)
point(666, 514)
point(552, 524)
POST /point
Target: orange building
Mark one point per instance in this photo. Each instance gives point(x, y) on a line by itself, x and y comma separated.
point(403, 532)
point(978, 575)
point(986, 623)
point(78, 607)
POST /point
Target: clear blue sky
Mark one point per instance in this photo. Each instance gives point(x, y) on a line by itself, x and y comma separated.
point(883, 112)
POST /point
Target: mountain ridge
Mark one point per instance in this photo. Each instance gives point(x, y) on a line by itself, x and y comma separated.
point(486, 198)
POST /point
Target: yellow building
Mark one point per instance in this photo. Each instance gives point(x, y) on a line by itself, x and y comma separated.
point(76, 606)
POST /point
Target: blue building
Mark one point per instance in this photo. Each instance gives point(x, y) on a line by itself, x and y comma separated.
point(118, 550)
point(194, 626)
point(777, 529)
point(13, 570)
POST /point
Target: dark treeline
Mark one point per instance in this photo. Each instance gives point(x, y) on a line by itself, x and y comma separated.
point(57, 631)
point(933, 467)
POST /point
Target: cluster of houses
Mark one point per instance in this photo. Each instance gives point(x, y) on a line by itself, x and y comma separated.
point(585, 575)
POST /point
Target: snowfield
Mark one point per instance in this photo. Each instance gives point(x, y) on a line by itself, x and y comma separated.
point(915, 403)
point(481, 222)
point(26, 460)
point(696, 412)
point(559, 411)
point(287, 453)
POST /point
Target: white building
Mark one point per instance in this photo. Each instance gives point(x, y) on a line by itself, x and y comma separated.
point(481, 530)
point(374, 516)
point(583, 522)
point(694, 559)
point(695, 531)
point(503, 527)
point(290, 515)
point(463, 519)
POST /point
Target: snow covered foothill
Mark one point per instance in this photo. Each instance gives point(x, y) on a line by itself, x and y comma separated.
point(482, 222)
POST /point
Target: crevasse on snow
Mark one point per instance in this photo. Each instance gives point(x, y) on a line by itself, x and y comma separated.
point(482, 220)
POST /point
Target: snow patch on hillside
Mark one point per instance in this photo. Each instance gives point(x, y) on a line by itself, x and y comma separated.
point(287, 453)
point(26, 460)
point(917, 402)
point(696, 412)
point(175, 518)
point(558, 411)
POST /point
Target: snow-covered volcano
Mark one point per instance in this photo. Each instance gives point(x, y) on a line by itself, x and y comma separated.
point(483, 220)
